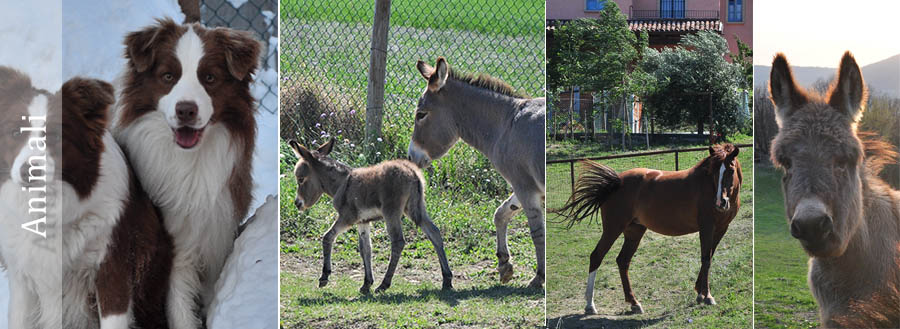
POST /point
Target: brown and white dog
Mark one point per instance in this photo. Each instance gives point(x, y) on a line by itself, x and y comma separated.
point(185, 117)
point(123, 253)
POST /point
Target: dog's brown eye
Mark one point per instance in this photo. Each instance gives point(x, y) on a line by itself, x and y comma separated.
point(210, 78)
point(420, 115)
point(168, 77)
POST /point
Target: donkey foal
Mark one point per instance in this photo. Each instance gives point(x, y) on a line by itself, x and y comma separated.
point(362, 195)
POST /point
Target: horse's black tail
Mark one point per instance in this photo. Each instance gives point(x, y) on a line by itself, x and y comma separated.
point(593, 187)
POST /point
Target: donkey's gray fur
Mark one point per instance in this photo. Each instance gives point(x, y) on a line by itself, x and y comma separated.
point(845, 217)
point(502, 124)
point(362, 195)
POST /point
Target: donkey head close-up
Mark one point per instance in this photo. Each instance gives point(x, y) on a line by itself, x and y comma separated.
point(312, 171)
point(822, 158)
point(434, 131)
point(722, 168)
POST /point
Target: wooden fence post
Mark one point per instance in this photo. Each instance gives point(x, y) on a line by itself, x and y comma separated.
point(377, 63)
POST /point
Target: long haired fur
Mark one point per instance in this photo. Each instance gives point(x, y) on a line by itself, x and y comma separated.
point(593, 187)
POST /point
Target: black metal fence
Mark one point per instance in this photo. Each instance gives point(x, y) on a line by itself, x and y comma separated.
point(261, 17)
point(325, 57)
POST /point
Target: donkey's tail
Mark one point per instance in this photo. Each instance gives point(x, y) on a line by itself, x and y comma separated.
point(593, 187)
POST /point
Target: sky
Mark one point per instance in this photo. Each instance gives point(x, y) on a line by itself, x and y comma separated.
point(817, 32)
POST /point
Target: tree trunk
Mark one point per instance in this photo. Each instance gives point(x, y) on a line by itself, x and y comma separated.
point(377, 62)
point(569, 127)
point(700, 127)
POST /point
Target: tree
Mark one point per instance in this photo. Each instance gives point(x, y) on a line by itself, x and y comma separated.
point(692, 80)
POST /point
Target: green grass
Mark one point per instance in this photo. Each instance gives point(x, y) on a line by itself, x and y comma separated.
point(415, 299)
point(662, 272)
point(450, 14)
point(783, 299)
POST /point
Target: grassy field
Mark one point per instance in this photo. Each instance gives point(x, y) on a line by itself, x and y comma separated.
point(782, 298)
point(663, 270)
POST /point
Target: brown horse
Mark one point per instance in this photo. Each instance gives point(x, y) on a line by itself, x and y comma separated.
point(844, 216)
point(704, 198)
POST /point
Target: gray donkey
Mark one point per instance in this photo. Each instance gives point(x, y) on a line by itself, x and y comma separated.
point(505, 126)
point(362, 195)
point(845, 217)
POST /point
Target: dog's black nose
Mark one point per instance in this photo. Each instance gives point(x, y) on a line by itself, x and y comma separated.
point(186, 111)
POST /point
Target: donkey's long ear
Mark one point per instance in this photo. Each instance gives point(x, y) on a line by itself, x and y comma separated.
point(326, 148)
point(424, 69)
point(783, 90)
point(300, 151)
point(439, 78)
point(849, 94)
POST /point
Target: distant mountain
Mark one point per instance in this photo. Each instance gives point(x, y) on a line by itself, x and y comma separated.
point(882, 77)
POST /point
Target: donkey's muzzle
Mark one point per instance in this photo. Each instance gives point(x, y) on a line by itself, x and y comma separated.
point(811, 223)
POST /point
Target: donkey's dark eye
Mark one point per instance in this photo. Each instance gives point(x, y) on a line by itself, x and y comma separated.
point(420, 115)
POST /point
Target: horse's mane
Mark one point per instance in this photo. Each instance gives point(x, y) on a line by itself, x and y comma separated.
point(482, 80)
point(720, 153)
point(878, 152)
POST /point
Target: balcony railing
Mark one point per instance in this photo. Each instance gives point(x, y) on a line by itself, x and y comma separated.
point(672, 14)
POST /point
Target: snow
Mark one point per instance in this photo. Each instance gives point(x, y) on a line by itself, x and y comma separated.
point(237, 3)
point(92, 46)
point(245, 297)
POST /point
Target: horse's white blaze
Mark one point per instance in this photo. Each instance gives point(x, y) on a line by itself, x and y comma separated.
point(589, 292)
point(719, 188)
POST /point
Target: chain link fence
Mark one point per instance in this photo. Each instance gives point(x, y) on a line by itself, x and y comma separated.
point(260, 17)
point(324, 71)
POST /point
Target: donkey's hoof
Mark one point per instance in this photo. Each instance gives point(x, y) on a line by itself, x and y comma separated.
point(323, 283)
point(709, 300)
point(536, 283)
point(637, 309)
point(506, 272)
point(590, 310)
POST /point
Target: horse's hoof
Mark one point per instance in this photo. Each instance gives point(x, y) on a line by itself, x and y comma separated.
point(709, 300)
point(365, 290)
point(637, 309)
point(447, 286)
point(323, 283)
point(381, 288)
point(699, 298)
point(590, 310)
point(506, 272)
point(536, 283)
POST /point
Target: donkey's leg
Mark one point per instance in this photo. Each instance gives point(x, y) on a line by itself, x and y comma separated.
point(504, 213)
point(633, 235)
point(339, 226)
point(706, 247)
point(365, 250)
point(535, 211)
point(610, 234)
point(395, 231)
point(419, 215)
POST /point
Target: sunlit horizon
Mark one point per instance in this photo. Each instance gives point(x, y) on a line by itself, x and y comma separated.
point(817, 33)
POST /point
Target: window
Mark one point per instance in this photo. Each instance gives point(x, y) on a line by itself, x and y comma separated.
point(671, 9)
point(735, 10)
point(594, 5)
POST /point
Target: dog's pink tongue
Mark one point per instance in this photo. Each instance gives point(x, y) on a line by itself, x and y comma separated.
point(187, 137)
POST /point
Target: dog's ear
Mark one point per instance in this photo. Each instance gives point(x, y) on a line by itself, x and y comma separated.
point(300, 151)
point(425, 70)
point(90, 99)
point(784, 92)
point(325, 149)
point(141, 46)
point(12, 84)
point(849, 95)
point(241, 51)
point(439, 77)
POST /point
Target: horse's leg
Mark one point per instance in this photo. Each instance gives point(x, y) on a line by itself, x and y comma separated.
point(339, 226)
point(419, 215)
point(633, 235)
point(365, 250)
point(534, 210)
point(502, 216)
point(395, 232)
point(717, 237)
point(610, 234)
point(706, 248)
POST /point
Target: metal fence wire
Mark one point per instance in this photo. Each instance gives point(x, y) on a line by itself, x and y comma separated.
point(260, 17)
point(326, 49)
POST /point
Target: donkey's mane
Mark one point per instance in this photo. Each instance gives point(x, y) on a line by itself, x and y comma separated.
point(878, 152)
point(482, 80)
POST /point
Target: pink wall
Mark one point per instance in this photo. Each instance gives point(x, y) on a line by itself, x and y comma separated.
point(572, 9)
point(743, 30)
